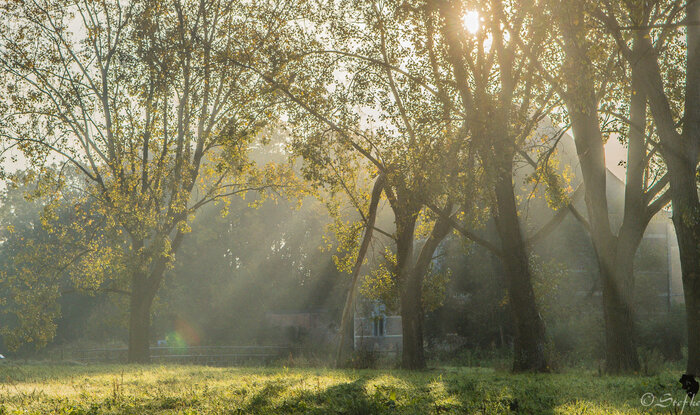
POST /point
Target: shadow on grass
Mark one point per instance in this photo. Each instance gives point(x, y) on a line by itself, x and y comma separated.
point(348, 398)
point(505, 397)
point(405, 393)
point(263, 398)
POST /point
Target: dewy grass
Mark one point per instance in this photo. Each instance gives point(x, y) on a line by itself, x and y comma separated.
point(115, 389)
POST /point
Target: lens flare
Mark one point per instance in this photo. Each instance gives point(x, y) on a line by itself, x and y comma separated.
point(183, 336)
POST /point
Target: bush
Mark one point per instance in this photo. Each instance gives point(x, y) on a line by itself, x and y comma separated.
point(651, 361)
point(664, 333)
point(364, 359)
point(577, 339)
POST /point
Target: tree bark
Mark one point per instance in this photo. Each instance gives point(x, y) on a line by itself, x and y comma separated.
point(139, 320)
point(144, 286)
point(413, 356)
point(529, 342)
point(686, 221)
point(684, 192)
point(618, 287)
point(410, 293)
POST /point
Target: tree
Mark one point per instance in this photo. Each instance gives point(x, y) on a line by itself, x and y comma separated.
point(42, 255)
point(657, 52)
point(504, 102)
point(408, 137)
point(138, 98)
point(592, 91)
point(400, 72)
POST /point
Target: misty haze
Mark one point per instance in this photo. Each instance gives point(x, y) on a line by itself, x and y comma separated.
point(349, 207)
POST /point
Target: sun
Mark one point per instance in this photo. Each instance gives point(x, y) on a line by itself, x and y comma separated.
point(471, 21)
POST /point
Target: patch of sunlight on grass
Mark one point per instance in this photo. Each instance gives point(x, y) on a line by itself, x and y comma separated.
point(592, 408)
point(385, 381)
point(442, 399)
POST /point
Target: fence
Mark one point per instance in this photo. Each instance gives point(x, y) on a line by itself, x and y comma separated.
point(205, 355)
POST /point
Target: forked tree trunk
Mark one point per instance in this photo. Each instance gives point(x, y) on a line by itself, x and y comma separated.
point(615, 253)
point(680, 153)
point(529, 341)
point(410, 274)
point(618, 284)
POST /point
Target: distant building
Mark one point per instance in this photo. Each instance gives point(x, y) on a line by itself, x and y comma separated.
point(375, 330)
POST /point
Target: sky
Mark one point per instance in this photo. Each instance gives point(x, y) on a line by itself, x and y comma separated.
point(614, 153)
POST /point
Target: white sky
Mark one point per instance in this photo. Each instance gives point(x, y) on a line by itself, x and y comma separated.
point(614, 153)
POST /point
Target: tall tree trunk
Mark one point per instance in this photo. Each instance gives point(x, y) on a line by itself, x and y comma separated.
point(139, 320)
point(617, 266)
point(413, 356)
point(345, 326)
point(680, 152)
point(618, 286)
point(618, 312)
point(410, 293)
point(686, 221)
point(529, 342)
point(684, 191)
point(144, 286)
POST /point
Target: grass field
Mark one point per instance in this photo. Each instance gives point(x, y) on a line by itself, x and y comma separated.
point(115, 389)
